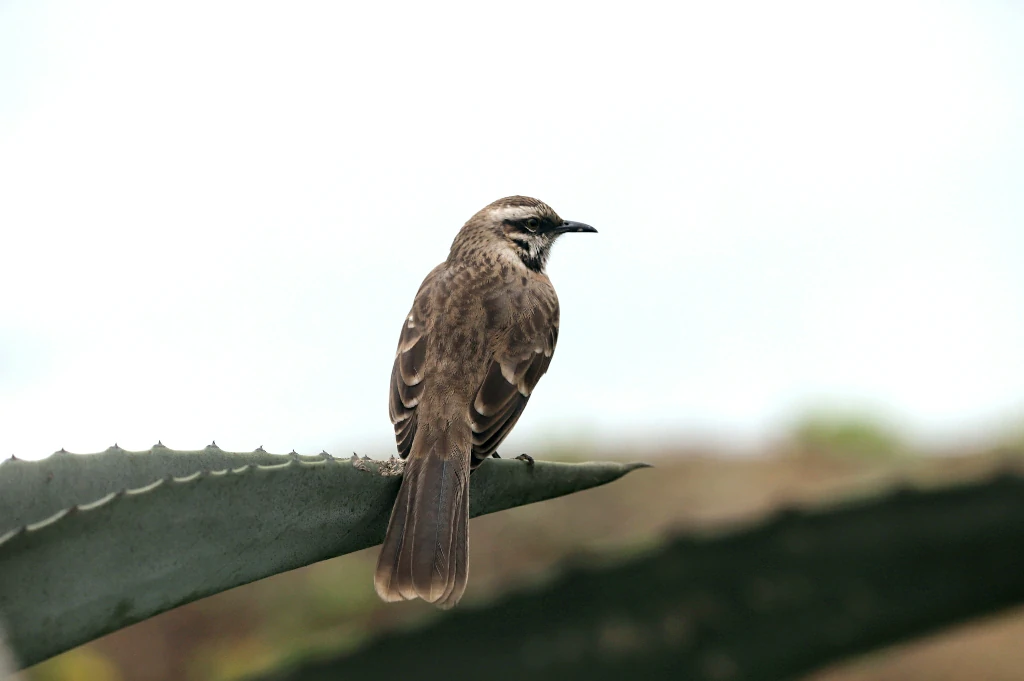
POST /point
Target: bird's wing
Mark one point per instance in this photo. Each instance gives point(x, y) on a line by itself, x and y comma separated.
point(407, 373)
point(512, 375)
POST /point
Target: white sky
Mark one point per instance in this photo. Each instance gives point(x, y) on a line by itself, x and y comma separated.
point(214, 216)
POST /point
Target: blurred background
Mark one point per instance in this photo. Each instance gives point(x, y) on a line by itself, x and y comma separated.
point(808, 273)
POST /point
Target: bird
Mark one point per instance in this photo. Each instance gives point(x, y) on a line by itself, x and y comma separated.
point(480, 334)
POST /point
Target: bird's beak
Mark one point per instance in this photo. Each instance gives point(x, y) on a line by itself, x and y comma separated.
point(569, 226)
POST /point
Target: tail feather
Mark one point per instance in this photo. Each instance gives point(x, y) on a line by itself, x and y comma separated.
point(425, 549)
point(438, 485)
point(459, 558)
point(387, 581)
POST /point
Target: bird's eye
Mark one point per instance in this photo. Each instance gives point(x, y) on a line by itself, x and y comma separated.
point(532, 224)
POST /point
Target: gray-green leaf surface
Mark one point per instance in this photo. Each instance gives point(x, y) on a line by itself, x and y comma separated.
point(90, 544)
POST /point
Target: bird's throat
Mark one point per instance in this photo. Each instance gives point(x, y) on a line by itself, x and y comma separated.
point(532, 250)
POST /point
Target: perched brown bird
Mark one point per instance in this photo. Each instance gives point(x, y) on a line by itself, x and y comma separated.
point(480, 335)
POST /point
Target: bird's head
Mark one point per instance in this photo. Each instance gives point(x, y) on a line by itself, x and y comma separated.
point(526, 226)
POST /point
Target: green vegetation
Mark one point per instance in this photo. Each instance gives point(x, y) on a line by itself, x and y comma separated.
point(846, 435)
point(91, 544)
point(780, 599)
point(859, 560)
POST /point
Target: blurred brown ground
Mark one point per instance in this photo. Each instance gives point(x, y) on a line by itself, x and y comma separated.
point(331, 606)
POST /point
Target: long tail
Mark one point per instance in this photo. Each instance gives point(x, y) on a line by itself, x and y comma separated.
point(425, 551)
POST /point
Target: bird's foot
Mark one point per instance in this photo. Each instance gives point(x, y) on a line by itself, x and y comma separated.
point(525, 457)
point(391, 467)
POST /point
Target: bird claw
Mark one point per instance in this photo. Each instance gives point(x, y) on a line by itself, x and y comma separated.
point(525, 457)
point(392, 467)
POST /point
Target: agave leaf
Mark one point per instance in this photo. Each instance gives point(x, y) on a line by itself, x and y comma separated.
point(777, 600)
point(31, 491)
point(116, 556)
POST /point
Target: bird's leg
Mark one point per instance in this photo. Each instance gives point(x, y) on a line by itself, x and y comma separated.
point(525, 457)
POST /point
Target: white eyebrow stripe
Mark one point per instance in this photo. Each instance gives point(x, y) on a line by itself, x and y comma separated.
point(514, 212)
